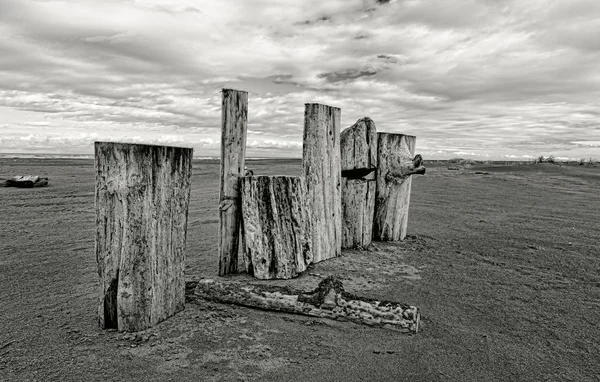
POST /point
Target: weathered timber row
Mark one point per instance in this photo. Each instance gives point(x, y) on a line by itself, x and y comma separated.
point(322, 172)
point(395, 166)
point(234, 124)
point(359, 163)
point(328, 300)
point(277, 234)
point(142, 197)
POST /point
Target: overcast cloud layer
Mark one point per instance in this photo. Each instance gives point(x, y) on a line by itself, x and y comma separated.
point(473, 78)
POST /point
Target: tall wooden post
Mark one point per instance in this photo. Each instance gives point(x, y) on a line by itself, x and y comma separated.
point(142, 197)
point(322, 171)
point(395, 165)
point(359, 165)
point(234, 124)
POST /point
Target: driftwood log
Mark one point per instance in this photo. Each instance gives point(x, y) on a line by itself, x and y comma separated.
point(234, 124)
point(142, 197)
point(328, 300)
point(359, 163)
point(395, 166)
point(322, 173)
point(277, 232)
point(26, 181)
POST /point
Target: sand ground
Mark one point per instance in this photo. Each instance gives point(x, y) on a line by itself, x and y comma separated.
point(505, 267)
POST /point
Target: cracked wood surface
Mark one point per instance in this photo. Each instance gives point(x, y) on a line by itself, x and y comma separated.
point(395, 166)
point(277, 234)
point(359, 163)
point(234, 124)
point(322, 173)
point(142, 197)
point(327, 300)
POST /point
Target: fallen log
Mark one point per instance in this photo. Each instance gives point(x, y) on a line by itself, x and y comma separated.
point(328, 300)
point(26, 181)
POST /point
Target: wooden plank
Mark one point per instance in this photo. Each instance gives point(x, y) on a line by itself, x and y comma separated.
point(328, 300)
point(359, 160)
point(322, 172)
point(234, 125)
point(277, 231)
point(142, 198)
point(395, 167)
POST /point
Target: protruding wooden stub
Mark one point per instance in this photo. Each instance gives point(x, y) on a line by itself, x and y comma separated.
point(359, 162)
point(234, 124)
point(328, 300)
point(277, 232)
point(142, 197)
point(395, 164)
point(322, 171)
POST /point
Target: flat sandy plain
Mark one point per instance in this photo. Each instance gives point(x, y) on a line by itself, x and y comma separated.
point(505, 267)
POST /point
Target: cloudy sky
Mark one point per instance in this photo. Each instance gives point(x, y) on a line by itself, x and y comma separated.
point(482, 79)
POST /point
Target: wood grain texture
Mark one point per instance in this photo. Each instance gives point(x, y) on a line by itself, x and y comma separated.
point(234, 118)
point(395, 167)
point(359, 145)
point(277, 231)
point(142, 197)
point(327, 300)
point(358, 151)
point(322, 172)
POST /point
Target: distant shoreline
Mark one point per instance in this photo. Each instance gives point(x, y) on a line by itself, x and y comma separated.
point(255, 160)
point(91, 157)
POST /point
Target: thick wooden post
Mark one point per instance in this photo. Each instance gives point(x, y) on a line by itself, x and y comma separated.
point(359, 165)
point(322, 171)
point(395, 165)
point(142, 197)
point(277, 232)
point(234, 124)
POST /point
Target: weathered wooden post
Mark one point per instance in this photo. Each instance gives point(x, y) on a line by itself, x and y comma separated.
point(234, 124)
point(395, 165)
point(359, 165)
point(277, 232)
point(142, 197)
point(322, 172)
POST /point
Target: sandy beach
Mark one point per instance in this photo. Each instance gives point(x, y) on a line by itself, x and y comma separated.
point(503, 261)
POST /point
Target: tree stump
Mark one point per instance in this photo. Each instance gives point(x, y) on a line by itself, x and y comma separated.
point(327, 300)
point(276, 226)
point(234, 124)
point(359, 163)
point(395, 165)
point(322, 172)
point(142, 197)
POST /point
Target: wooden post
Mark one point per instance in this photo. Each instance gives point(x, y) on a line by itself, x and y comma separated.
point(234, 123)
point(142, 197)
point(322, 171)
point(395, 164)
point(359, 165)
point(277, 232)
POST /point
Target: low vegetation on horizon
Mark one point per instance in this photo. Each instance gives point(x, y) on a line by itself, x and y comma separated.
point(554, 160)
point(541, 159)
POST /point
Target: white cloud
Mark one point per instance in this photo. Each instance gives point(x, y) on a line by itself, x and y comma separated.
point(479, 77)
point(587, 143)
